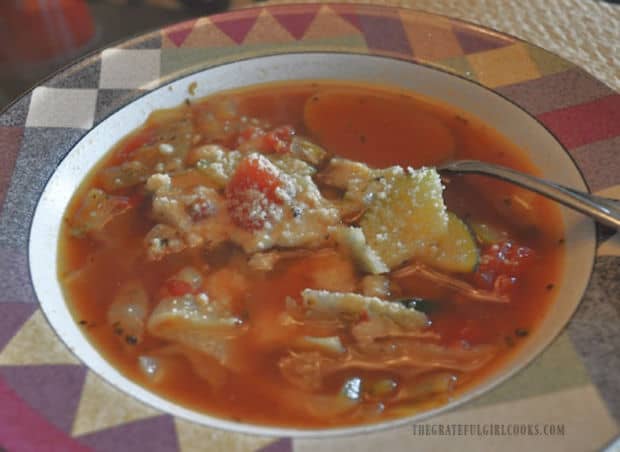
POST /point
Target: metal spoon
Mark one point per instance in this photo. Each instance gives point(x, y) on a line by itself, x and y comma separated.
point(604, 210)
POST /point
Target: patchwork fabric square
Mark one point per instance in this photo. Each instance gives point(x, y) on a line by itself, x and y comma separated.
point(62, 107)
point(129, 68)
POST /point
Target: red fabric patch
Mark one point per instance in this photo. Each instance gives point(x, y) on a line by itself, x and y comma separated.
point(348, 13)
point(236, 29)
point(22, 428)
point(297, 24)
point(585, 123)
point(179, 33)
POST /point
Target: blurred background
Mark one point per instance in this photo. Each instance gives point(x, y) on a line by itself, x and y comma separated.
point(38, 37)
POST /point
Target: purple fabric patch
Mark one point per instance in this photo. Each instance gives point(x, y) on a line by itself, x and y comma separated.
point(599, 163)
point(150, 435)
point(52, 390)
point(15, 282)
point(475, 40)
point(12, 317)
point(10, 141)
point(385, 34)
point(41, 151)
point(282, 445)
point(15, 115)
point(83, 75)
point(561, 90)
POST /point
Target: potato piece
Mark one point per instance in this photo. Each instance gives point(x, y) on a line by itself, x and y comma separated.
point(407, 214)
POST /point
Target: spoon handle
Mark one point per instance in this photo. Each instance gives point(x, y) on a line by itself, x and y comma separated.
point(605, 211)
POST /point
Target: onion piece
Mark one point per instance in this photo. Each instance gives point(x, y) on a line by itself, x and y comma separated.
point(459, 286)
point(427, 386)
point(149, 366)
point(383, 327)
point(330, 344)
point(307, 370)
point(127, 312)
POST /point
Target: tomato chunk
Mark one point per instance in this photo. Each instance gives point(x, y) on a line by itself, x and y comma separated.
point(177, 288)
point(276, 141)
point(279, 139)
point(251, 192)
point(501, 264)
point(250, 133)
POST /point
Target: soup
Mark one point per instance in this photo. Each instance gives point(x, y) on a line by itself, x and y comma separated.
point(287, 254)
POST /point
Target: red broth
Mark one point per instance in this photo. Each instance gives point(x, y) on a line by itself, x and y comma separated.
point(518, 236)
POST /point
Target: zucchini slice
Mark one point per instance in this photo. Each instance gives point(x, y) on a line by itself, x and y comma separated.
point(456, 251)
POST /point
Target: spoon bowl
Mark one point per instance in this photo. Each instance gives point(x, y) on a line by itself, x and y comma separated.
point(604, 210)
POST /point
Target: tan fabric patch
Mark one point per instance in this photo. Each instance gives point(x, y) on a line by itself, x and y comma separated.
point(205, 34)
point(103, 406)
point(432, 39)
point(267, 30)
point(190, 435)
point(327, 24)
point(36, 343)
point(505, 66)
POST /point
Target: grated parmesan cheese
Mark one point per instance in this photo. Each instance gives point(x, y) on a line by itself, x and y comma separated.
point(166, 148)
point(157, 182)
